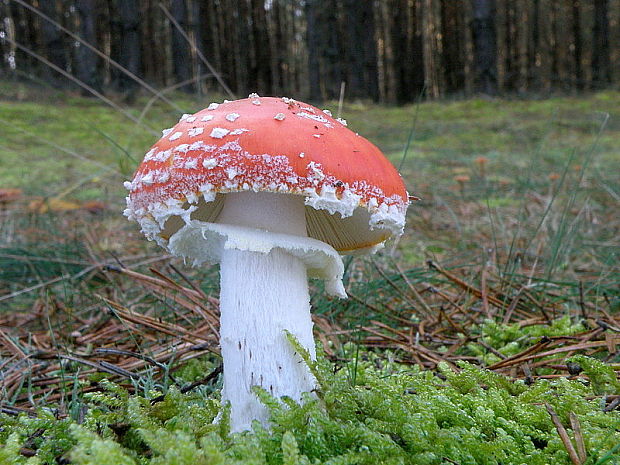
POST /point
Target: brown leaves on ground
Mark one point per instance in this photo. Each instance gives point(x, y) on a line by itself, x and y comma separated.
point(423, 323)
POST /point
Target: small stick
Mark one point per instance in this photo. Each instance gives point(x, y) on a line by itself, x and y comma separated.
point(563, 435)
point(341, 99)
point(576, 426)
point(414, 291)
point(512, 306)
point(206, 380)
point(584, 315)
point(483, 291)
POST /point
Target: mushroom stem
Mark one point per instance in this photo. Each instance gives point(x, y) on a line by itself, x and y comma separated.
point(262, 295)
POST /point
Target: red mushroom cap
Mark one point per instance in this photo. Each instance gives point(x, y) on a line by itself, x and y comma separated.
point(271, 145)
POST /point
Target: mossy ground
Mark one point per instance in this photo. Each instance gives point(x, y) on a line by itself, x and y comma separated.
point(521, 197)
point(390, 414)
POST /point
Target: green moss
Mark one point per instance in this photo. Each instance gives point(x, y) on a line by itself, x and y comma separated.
point(391, 415)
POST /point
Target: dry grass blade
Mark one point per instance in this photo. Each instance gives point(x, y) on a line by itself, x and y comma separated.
point(166, 328)
point(581, 447)
point(563, 436)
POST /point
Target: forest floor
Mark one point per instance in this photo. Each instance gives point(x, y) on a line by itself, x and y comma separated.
point(510, 261)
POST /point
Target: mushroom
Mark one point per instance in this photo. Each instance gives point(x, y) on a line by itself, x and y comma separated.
point(248, 185)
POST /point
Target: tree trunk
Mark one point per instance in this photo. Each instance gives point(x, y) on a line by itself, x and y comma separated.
point(195, 30)
point(483, 31)
point(210, 45)
point(261, 47)
point(534, 48)
point(601, 69)
point(130, 55)
point(54, 43)
point(416, 50)
point(400, 64)
point(86, 59)
point(181, 61)
point(577, 45)
point(453, 45)
point(361, 50)
point(313, 39)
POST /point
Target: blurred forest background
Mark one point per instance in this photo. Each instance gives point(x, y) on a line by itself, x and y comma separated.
point(390, 51)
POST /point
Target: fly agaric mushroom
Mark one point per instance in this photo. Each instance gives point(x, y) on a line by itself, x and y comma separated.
point(273, 190)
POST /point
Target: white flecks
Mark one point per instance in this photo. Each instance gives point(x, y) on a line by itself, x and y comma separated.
point(191, 119)
point(176, 135)
point(165, 132)
point(302, 155)
point(238, 131)
point(316, 135)
point(288, 100)
point(232, 117)
point(149, 154)
point(207, 118)
point(327, 112)
point(128, 185)
point(162, 156)
point(183, 148)
point(200, 145)
point(192, 198)
point(315, 174)
point(279, 116)
point(253, 95)
point(226, 101)
point(213, 106)
point(147, 178)
point(328, 200)
point(310, 109)
point(208, 192)
point(191, 164)
point(231, 172)
point(209, 163)
point(256, 102)
point(318, 118)
point(163, 177)
point(292, 180)
point(184, 117)
point(195, 131)
point(342, 121)
point(218, 133)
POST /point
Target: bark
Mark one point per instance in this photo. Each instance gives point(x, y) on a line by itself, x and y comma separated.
point(453, 45)
point(130, 55)
point(247, 80)
point(209, 43)
point(361, 56)
point(534, 47)
point(400, 64)
point(195, 31)
point(416, 50)
point(313, 38)
point(181, 60)
point(483, 31)
point(577, 45)
point(279, 49)
point(86, 59)
point(54, 43)
point(262, 65)
point(601, 69)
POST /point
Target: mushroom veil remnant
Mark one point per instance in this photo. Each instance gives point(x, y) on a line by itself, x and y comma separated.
point(274, 190)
